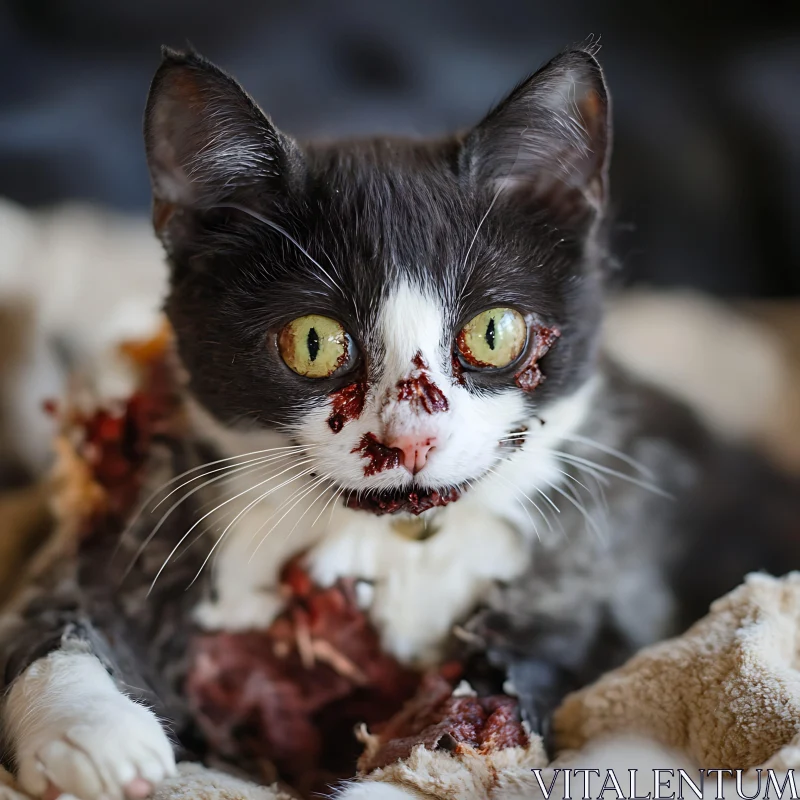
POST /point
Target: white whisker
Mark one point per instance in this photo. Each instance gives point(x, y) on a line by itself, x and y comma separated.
point(280, 506)
point(232, 468)
point(519, 491)
point(630, 461)
point(237, 517)
point(332, 499)
point(612, 451)
point(333, 507)
point(471, 486)
point(573, 478)
point(310, 505)
point(586, 515)
point(216, 544)
point(161, 488)
point(569, 458)
point(474, 239)
point(248, 468)
point(259, 453)
point(209, 513)
point(285, 513)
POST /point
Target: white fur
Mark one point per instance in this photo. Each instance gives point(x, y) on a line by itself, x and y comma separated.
point(7, 790)
point(69, 726)
point(376, 791)
point(420, 589)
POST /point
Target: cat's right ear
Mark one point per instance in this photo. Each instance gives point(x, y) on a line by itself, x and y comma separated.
point(207, 142)
point(550, 140)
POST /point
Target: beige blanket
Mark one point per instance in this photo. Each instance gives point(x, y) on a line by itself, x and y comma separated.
point(726, 694)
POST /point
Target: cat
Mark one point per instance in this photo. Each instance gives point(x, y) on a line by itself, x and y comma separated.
point(401, 340)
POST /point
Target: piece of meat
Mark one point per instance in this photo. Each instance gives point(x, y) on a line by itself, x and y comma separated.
point(438, 719)
point(293, 694)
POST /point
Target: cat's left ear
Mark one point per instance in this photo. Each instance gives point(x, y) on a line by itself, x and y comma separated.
point(207, 142)
point(550, 139)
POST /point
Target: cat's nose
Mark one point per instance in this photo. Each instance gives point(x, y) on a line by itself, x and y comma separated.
point(415, 450)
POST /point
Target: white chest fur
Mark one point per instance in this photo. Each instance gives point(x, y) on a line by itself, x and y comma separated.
point(418, 589)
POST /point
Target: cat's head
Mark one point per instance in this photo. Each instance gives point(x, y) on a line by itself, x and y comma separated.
point(401, 308)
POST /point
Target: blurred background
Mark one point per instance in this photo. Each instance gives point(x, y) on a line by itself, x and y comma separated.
point(706, 170)
point(705, 178)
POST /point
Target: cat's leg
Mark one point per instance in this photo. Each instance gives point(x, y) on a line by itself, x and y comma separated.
point(70, 729)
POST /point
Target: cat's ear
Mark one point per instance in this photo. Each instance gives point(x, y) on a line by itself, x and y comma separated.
point(207, 142)
point(549, 139)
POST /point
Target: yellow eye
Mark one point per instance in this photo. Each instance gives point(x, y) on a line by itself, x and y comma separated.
point(314, 346)
point(494, 338)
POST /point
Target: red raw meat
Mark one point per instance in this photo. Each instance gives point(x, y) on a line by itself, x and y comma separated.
point(292, 695)
point(440, 721)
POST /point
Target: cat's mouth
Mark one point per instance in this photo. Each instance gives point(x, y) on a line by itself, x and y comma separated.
point(409, 501)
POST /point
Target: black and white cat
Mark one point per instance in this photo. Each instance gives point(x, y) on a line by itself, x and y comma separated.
point(395, 344)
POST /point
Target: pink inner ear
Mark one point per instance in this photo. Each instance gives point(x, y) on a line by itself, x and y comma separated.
point(593, 111)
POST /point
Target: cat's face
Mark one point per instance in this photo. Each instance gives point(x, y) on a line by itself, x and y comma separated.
point(403, 309)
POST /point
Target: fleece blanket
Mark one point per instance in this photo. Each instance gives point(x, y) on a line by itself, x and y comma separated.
point(724, 695)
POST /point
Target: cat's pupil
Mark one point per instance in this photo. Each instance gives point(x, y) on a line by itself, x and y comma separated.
point(490, 334)
point(312, 342)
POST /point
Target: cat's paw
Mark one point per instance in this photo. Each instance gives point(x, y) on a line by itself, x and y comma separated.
point(8, 788)
point(75, 733)
point(113, 751)
point(9, 793)
point(369, 790)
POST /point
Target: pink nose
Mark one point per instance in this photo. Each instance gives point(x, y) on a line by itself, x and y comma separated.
point(415, 450)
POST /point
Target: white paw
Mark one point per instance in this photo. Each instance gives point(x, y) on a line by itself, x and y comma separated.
point(239, 612)
point(8, 793)
point(7, 790)
point(376, 791)
point(74, 732)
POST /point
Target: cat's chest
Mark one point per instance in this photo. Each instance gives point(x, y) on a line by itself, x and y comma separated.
point(414, 589)
point(417, 589)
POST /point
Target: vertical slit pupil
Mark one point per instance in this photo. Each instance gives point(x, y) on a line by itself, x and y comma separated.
point(312, 342)
point(490, 334)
